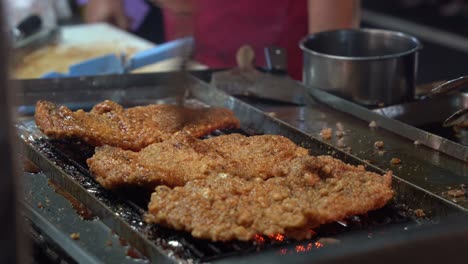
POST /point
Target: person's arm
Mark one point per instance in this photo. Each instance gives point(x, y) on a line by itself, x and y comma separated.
point(111, 11)
point(333, 14)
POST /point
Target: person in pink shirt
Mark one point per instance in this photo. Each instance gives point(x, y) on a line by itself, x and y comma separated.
point(221, 27)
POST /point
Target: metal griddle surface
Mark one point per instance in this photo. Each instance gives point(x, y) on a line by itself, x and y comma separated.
point(123, 211)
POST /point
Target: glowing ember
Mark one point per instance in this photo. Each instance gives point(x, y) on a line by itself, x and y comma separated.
point(309, 246)
point(259, 239)
point(277, 237)
point(318, 245)
point(300, 248)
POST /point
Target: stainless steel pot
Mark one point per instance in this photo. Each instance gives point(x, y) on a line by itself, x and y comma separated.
point(368, 66)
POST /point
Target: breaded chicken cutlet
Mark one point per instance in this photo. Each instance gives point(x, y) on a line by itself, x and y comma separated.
point(183, 158)
point(222, 207)
point(108, 123)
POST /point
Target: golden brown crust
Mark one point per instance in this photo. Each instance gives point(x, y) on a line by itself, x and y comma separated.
point(224, 208)
point(108, 123)
point(183, 158)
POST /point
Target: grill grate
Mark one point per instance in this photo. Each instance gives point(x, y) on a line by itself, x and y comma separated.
point(130, 205)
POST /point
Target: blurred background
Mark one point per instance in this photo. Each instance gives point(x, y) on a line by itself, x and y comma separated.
point(442, 26)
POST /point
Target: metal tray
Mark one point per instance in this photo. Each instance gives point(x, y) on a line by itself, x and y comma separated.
point(429, 114)
point(124, 215)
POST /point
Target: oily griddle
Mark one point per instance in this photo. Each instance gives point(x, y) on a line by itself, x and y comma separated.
point(225, 207)
point(108, 123)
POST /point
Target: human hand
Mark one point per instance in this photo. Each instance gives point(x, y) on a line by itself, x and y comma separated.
point(111, 11)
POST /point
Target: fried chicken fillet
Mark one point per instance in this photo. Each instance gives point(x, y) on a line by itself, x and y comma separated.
point(108, 123)
point(183, 158)
point(223, 207)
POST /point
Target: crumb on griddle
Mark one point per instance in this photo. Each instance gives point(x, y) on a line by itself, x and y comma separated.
point(373, 124)
point(326, 133)
point(40, 205)
point(395, 161)
point(416, 142)
point(272, 114)
point(456, 193)
point(340, 143)
point(339, 126)
point(75, 236)
point(340, 133)
point(419, 213)
point(329, 241)
point(379, 144)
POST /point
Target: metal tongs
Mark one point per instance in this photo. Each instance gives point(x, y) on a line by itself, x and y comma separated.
point(460, 117)
point(458, 84)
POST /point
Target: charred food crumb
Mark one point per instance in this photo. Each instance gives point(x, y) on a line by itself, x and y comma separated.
point(75, 236)
point(395, 161)
point(419, 213)
point(326, 133)
point(379, 144)
point(373, 124)
point(40, 205)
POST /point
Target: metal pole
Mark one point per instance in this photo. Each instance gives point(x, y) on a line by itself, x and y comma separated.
point(10, 222)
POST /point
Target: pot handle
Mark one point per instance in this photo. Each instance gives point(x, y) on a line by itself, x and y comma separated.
point(276, 60)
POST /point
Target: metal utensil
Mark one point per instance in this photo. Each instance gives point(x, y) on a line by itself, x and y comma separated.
point(114, 64)
point(457, 84)
point(245, 80)
point(459, 118)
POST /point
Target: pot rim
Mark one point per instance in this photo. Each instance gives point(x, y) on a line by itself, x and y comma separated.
point(362, 58)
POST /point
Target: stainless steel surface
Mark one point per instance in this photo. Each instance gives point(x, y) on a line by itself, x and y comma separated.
point(54, 217)
point(123, 218)
point(246, 81)
point(178, 80)
point(450, 86)
point(427, 116)
point(367, 66)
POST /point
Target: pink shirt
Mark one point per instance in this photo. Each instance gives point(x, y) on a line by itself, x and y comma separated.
point(221, 27)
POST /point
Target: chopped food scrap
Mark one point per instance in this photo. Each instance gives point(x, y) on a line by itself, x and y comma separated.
point(373, 124)
point(379, 144)
point(272, 114)
point(326, 133)
point(419, 213)
point(456, 193)
point(395, 161)
point(340, 133)
point(75, 236)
